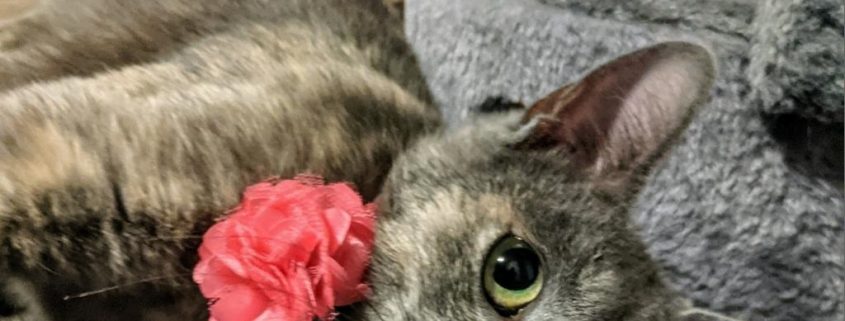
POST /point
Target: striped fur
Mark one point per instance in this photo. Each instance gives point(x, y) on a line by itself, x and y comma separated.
point(127, 127)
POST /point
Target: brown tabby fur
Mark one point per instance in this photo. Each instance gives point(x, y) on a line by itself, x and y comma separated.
point(128, 126)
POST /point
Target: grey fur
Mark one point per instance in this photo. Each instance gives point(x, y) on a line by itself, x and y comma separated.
point(741, 221)
point(127, 127)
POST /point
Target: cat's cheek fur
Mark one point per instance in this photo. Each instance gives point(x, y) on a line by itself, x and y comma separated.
point(408, 267)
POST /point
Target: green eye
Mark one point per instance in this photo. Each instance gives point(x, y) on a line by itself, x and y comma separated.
point(513, 275)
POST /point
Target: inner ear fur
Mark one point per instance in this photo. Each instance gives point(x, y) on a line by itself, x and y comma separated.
point(621, 117)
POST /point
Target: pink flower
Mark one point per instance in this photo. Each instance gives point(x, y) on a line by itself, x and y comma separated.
point(292, 250)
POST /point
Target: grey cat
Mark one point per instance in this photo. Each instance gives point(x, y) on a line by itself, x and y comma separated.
point(128, 127)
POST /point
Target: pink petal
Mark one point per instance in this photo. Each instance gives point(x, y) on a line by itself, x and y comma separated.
point(215, 239)
point(315, 307)
point(346, 281)
point(337, 223)
point(344, 197)
point(214, 278)
point(277, 314)
point(239, 303)
point(295, 298)
point(290, 251)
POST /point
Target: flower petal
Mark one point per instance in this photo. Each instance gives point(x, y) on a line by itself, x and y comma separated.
point(336, 222)
point(291, 250)
point(239, 303)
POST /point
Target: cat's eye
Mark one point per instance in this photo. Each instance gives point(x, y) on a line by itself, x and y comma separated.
point(512, 275)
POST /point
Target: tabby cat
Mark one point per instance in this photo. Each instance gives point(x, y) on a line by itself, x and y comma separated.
point(128, 127)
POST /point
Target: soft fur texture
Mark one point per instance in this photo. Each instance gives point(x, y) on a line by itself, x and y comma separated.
point(746, 215)
point(127, 127)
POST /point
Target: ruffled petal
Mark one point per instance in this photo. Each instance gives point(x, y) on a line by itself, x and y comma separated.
point(341, 195)
point(214, 278)
point(336, 222)
point(276, 314)
point(347, 269)
point(239, 303)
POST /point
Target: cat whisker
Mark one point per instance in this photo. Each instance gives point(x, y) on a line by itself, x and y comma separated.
point(48, 269)
point(158, 278)
point(276, 240)
point(116, 287)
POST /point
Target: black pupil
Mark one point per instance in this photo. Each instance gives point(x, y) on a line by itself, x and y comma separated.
point(517, 268)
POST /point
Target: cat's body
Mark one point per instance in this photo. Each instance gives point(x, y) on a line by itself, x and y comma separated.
point(127, 127)
point(146, 119)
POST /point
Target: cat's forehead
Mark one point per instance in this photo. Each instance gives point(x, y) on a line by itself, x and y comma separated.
point(470, 154)
point(452, 213)
point(471, 180)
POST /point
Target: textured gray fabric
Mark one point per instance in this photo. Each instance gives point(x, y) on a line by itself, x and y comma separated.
point(737, 227)
point(798, 57)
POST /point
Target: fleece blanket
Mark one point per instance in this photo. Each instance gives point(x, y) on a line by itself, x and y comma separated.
point(746, 216)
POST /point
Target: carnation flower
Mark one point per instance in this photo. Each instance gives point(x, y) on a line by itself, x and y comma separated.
point(292, 250)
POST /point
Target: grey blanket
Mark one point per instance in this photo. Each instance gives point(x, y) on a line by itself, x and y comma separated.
point(747, 214)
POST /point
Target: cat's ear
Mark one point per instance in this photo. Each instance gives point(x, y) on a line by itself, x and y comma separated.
point(703, 315)
point(621, 117)
point(11, 10)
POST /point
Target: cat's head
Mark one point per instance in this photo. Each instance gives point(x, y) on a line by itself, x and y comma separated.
point(522, 215)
